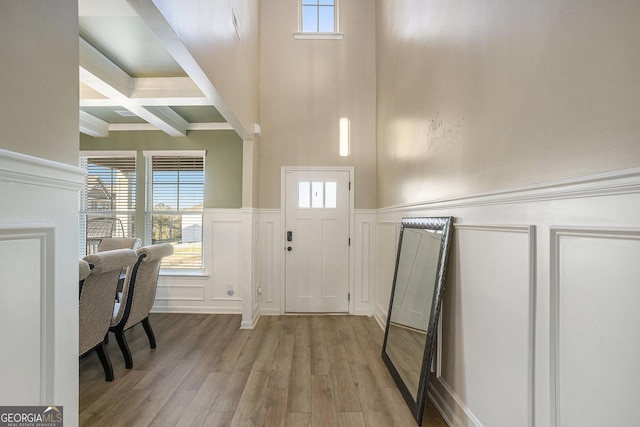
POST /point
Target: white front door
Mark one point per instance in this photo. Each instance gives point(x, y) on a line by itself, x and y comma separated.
point(317, 212)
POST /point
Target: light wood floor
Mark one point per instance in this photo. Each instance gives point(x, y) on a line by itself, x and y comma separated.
point(288, 371)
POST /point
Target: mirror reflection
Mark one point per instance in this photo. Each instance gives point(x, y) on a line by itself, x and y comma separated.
point(414, 306)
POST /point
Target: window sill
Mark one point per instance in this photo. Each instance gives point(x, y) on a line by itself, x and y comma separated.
point(183, 273)
point(318, 36)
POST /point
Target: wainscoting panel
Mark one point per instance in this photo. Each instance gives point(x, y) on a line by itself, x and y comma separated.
point(387, 246)
point(26, 320)
point(595, 300)
point(269, 266)
point(540, 321)
point(221, 287)
point(38, 282)
point(364, 236)
point(180, 293)
point(487, 367)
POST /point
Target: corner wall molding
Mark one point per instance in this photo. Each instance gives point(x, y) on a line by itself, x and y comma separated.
point(24, 169)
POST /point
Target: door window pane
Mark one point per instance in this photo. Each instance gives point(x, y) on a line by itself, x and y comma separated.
point(304, 194)
point(317, 194)
point(330, 194)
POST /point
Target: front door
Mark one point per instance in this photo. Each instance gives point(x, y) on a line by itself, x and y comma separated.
point(317, 212)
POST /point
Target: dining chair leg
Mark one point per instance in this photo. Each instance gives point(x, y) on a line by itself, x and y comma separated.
point(147, 328)
point(124, 347)
point(105, 360)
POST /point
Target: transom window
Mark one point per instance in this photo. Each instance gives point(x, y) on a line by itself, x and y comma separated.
point(318, 16)
point(317, 194)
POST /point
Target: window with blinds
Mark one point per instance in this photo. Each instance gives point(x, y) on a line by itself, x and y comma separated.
point(175, 206)
point(108, 200)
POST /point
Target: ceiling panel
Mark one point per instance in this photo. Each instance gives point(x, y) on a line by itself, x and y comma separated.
point(110, 115)
point(129, 43)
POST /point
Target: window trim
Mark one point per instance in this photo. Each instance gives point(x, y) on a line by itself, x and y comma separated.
point(148, 210)
point(319, 35)
point(83, 210)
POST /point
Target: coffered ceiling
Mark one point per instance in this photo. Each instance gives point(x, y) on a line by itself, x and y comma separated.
point(130, 80)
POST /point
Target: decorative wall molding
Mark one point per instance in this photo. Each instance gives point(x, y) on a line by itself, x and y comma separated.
point(28, 250)
point(596, 269)
point(493, 239)
point(180, 292)
point(23, 169)
point(606, 184)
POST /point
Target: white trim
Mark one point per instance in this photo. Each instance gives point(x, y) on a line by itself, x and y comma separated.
point(530, 231)
point(555, 232)
point(250, 324)
point(174, 153)
point(45, 235)
point(25, 169)
point(610, 183)
point(318, 36)
point(107, 153)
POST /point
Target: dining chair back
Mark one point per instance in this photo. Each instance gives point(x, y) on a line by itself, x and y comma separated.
point(111, 243)
point(97, 297)
point(138, 296)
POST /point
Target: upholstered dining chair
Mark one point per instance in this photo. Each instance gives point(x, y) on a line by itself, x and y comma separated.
point(138, 295)
point(83, 271)
point(111, 243)
point(96, 301)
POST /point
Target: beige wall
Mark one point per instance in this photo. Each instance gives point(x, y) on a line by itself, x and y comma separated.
point(39, 78)
point(231, 64)
point(481, 96)
point(223, 162)
point(39, 190)
point(306, 86)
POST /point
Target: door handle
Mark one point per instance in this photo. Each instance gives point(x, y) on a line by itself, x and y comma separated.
point(289, 248)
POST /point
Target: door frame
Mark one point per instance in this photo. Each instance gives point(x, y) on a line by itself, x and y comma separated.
point(282, 240)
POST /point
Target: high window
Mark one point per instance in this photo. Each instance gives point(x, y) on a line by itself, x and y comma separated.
point(318, 16)
point(175, 206)
point(108, 201)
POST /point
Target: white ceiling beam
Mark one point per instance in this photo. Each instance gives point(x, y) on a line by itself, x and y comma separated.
point(164, 87)
point(173, 119)
point(191, 126)
point(93, 126)
point(105, 77)
point(104, 88)
point(150, 14)
point(102, 74)
point(174, 102)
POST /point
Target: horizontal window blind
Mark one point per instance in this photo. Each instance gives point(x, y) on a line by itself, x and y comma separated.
point(177, 184)
point(175, 207)
point(108, 201)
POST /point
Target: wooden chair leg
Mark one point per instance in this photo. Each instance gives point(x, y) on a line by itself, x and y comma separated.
point(105, 360)
point(147, 328)
point(124, 347)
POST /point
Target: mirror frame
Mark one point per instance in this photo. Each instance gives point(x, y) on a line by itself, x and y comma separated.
point(444, 224)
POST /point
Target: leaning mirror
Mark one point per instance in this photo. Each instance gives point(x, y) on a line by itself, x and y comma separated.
point(414, 307)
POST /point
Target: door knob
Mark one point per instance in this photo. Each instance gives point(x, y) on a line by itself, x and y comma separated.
point(289, 248)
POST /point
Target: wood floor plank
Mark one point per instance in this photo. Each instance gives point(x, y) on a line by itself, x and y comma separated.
point(233, 387)
point(276, 407)
point(351, 419)
point(323, 405)
point(291, 371)
point(298, 419)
